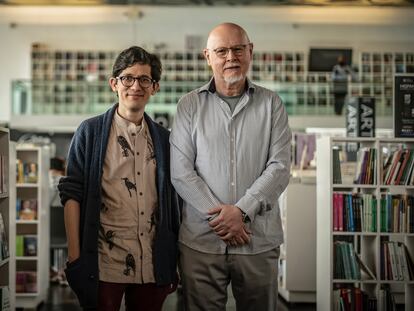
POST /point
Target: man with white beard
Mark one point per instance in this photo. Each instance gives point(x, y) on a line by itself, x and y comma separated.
point(230, 161)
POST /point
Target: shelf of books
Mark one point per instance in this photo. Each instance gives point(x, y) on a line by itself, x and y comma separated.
point(31, 242)
point(376, 73)
point(5, 301)
point(365, 224)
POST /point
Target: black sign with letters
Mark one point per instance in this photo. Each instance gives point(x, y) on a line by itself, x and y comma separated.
point(404, 105)
point(360, 121)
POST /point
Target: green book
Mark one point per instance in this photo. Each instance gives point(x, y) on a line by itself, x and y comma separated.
point(19, 245)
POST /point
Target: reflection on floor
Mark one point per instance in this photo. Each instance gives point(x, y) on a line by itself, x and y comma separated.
point(62, 299)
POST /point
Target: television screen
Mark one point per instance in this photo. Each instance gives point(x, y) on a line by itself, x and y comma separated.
point(323, 59)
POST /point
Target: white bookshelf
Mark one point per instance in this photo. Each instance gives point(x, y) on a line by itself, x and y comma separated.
point(5, 265)
point(366, 244)
point(38, 228)
point(297, 277)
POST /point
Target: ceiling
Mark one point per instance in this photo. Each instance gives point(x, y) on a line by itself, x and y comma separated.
point(394, 3)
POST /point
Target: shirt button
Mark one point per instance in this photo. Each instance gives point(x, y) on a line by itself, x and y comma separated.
point(137, 153)
point(141, 234)
point(142, 213)
point(139, 173)
point(140, 257)
point(232, 183)
point(140, 193)
point(133, 134)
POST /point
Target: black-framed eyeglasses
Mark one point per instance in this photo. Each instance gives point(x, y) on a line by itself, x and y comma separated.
point(144, 81)
point(238, 50)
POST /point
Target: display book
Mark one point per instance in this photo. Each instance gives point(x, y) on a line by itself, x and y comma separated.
point(31, 215)
point(365, 232)
point(5, 303)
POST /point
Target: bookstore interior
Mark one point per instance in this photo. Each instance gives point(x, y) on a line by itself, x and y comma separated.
point(349, 247)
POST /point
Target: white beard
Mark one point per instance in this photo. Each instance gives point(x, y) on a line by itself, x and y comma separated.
point(233, 79)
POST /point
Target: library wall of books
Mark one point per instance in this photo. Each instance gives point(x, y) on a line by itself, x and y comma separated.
point(76, 81)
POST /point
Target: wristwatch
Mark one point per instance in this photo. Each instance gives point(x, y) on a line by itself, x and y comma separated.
point(245, 217)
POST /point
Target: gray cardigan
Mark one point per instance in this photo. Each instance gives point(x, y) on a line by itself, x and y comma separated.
point(83, 184)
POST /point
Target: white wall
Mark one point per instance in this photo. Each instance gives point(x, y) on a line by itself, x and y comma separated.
point(280, 28)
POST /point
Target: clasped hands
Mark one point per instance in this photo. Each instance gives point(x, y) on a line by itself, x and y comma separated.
point(229, 225)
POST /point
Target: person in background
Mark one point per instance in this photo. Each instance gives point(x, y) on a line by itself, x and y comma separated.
point(121, 211)
point(230, 161)
point(340, 75)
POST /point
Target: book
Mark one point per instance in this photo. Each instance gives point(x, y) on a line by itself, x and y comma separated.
point(364, 268)
point(4, 244)
point(19, 245)
point(26, 209)
point(4, 174)
point(26, 281)
point(30, 245)
point(31, 172)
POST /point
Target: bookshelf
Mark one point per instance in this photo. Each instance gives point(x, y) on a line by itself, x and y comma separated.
point(377, 70)
point(75, 81)
point(5, 232)
point(32, 223)
point(343, 236)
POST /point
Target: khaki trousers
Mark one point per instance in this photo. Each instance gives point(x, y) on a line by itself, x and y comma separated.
point(205, 278)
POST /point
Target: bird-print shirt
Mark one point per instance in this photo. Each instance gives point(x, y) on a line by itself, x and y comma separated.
point(129, 205)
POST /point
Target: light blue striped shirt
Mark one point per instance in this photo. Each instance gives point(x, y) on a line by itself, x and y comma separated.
point(240, 158)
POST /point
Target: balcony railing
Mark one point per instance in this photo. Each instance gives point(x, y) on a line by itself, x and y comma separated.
point(30, 97)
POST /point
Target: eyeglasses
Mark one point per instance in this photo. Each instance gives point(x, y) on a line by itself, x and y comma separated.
point(144, 81)
point(238, 50)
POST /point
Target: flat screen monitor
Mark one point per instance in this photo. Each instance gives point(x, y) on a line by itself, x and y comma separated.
point(323, 59)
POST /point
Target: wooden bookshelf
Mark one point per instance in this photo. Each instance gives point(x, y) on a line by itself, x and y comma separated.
point(32, 268)
point(367, 245)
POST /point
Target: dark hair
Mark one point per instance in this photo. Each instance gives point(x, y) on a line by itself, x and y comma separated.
point(134, 55)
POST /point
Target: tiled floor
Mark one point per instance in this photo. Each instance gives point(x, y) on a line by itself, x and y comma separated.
point(62, 299)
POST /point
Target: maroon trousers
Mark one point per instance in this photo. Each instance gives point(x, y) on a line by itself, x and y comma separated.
point(145, 297)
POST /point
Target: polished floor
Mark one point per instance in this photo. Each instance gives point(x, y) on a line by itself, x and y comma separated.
point(62, 299)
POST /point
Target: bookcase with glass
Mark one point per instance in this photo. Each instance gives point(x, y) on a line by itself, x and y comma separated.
point(75, 81)
point(376, 73)
point(365, 224)
point(5, 300)
point(31, 241)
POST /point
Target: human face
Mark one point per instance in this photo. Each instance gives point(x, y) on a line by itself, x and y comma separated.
point(232, 68)
point(135, 97)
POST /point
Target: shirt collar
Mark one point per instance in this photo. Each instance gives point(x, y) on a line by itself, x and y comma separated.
point(129, 126)
point(211, 86)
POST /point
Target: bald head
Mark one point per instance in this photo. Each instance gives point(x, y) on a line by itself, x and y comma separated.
point(227, 32)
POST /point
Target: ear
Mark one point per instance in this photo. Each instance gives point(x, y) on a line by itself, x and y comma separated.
point(251, 50)
point(113, 84)
point(155, 88)
point(206, 53)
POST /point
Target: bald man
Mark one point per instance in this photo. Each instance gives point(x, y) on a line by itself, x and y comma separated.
point(230, 153)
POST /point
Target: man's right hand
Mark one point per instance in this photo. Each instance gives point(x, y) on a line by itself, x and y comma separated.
point(229, 226)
